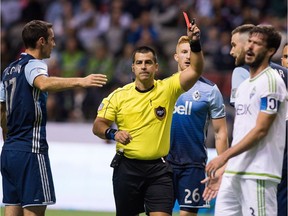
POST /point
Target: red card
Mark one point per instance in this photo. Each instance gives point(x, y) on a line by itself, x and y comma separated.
point(186, 19)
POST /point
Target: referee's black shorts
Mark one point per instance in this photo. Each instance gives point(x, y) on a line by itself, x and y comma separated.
point(139, 183)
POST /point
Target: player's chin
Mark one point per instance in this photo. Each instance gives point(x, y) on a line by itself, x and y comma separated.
point(185, 65)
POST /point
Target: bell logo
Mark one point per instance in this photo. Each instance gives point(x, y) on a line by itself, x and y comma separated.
point(183, 109)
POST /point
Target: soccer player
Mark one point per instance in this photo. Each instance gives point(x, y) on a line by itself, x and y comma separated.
point(254, 161)
point(188, 153)
point(282, 187)
point(142, 111)
point(26, 174)
point(240, 73)
point(284, 58)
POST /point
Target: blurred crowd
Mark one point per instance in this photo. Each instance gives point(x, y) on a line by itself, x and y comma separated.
point(98, 36)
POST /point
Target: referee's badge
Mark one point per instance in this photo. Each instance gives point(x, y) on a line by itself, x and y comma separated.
point(160, 112)
point(196, 95)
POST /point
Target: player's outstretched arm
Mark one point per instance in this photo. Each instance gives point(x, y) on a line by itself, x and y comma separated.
point(49, 84)
point(263, 123)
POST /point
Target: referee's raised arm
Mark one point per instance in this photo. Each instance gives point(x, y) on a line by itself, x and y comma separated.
point(191, 74)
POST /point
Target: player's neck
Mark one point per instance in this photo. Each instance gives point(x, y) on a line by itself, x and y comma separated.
point(254, 71)
point(33, 52)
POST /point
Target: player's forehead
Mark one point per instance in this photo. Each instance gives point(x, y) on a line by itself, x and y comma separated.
point(183, 45)
point(257, 38)
point(235, 37)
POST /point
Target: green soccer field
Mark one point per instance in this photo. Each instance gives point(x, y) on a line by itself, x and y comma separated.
point(78, 213)
point(85, 213)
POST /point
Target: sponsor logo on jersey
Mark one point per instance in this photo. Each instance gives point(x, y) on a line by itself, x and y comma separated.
point(183, 109)
point(160, 112)
point(243, 109)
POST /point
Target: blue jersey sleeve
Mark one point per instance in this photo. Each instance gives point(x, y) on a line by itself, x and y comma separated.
point(35, 68)
point(2, 92)
point(217, 107)
point(239, 74)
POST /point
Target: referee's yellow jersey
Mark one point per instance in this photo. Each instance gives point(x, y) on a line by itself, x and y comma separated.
point(146, 116)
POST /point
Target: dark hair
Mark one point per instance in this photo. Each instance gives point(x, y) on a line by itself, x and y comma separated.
point(271, 36)
point(34, 30)
point(246, 28)
point(144, 49)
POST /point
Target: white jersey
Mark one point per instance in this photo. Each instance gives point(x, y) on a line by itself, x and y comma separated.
point(264, 93)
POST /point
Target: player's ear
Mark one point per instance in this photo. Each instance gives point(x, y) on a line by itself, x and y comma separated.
point(176, 57)
point(42, 41)
point(156, 67)
point(272, 51)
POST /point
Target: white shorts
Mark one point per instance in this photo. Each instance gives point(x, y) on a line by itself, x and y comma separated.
point(241, 197)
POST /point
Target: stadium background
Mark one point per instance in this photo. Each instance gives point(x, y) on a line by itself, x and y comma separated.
point(98, 36)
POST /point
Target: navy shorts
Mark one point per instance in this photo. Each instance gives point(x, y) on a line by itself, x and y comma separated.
point(143, 186)
point(188, 188)
point(27, 179)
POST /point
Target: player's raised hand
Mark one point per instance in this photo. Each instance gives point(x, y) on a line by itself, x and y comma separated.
point(94, 80)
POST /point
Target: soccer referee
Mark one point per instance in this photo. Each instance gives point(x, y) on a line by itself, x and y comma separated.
point(142, 111)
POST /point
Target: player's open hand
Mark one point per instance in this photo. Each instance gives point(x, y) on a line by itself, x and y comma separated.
point(212, 186)
point(94, 80)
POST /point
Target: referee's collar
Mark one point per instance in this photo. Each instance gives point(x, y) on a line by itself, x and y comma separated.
point(146, 90)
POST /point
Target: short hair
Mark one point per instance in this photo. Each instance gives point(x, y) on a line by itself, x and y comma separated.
point(34, 30)
point(245, 28)
point(144, 49)
point(271, 35)
point(182, 39)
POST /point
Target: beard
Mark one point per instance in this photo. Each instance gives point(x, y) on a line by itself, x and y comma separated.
point(257, 61)
point(240, 60)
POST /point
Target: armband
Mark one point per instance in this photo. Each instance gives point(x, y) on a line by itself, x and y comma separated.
point(110, 133)
point(195, 46)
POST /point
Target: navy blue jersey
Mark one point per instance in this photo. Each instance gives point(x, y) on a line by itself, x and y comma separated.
point(25, 105)
point(282, 71)
point(192, 113)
